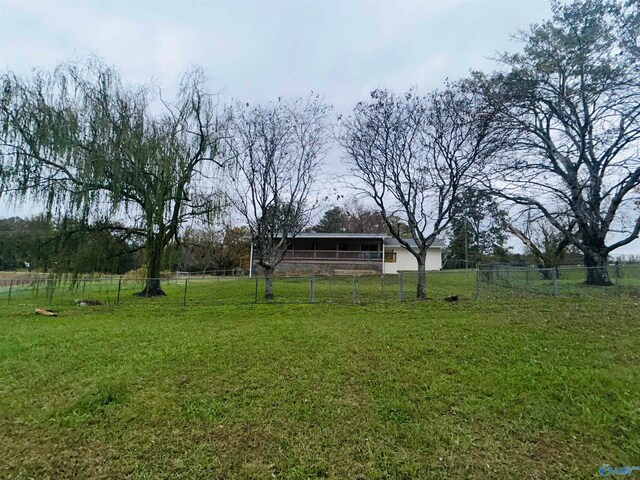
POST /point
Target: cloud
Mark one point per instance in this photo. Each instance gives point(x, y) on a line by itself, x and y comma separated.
point(432, 70)
point(141, 48)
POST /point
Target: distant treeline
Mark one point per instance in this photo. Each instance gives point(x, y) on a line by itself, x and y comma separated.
point(37, 244)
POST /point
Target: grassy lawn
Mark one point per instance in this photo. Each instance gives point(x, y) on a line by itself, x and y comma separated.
point(536, 388)
point(209, 291)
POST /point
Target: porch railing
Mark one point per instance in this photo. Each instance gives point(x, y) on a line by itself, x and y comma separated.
point(332, 255)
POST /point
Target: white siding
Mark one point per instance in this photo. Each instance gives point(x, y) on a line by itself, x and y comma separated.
point(406, 261)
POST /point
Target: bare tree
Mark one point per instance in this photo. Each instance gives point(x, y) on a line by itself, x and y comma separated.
point(356, 217)
point(412, 155)
point(543, 243)
point(217, 249)
point(629, 24)
point(278, 149)
point(571, 103)
point(84, 144)
point(361, 218)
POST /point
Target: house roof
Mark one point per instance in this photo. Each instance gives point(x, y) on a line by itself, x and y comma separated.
point(343, 235)
point(392, 242)
point(388, 239)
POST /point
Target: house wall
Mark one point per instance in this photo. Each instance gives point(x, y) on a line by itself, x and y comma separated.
point(406, 261)
point(328, 268)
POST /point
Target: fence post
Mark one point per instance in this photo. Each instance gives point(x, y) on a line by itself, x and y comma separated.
point(10, 288)
point(184, 298)
point(354, 290)
point(256, 298)
point(312, 288)
point(382, 289)
point(50, 292)
point(400, 286)
point(478, 283)
point(119, 288)
point(554, 277)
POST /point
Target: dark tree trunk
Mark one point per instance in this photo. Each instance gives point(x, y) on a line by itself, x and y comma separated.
point(268, 290)
point(545, 272)
point(597, 271)
point(421, 293)
point(154, 266)
point(152, 289)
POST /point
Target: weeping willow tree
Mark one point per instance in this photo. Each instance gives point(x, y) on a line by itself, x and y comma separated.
point(84, 144)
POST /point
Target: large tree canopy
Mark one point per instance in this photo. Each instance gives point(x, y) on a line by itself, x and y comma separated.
point(85, 144)
point(412, 155)
point(570, 105)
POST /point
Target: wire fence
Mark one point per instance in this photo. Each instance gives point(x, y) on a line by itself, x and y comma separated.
point(496, 282)
point(566, 281)
point(231, 272)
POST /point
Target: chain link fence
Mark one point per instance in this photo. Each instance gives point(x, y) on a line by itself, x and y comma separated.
point(567, 281)
point(496, 282)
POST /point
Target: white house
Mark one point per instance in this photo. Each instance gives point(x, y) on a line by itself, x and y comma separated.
point(349, 253)
point(398, 258)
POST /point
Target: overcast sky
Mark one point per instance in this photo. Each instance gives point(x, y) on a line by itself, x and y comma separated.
point(258, 51)
point(262, 50)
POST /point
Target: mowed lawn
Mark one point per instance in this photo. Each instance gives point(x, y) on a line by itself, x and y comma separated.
point(530, 388)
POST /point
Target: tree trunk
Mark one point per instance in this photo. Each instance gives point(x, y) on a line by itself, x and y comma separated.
point(545, 272)
point(421, 293)
point(154, 266)
point(597, 271)
point(268, 290)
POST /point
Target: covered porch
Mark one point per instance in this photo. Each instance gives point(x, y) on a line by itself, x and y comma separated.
point(332, 253)
point(337, 248)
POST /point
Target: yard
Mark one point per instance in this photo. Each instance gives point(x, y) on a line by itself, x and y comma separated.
point(538, 388)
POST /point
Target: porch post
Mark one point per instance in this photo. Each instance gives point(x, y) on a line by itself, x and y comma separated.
point(251, 262)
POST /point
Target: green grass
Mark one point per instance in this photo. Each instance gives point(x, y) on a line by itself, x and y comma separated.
point(210, 291)
point(534, 388)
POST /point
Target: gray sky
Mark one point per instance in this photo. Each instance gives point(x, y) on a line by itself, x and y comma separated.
point(260, 50)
